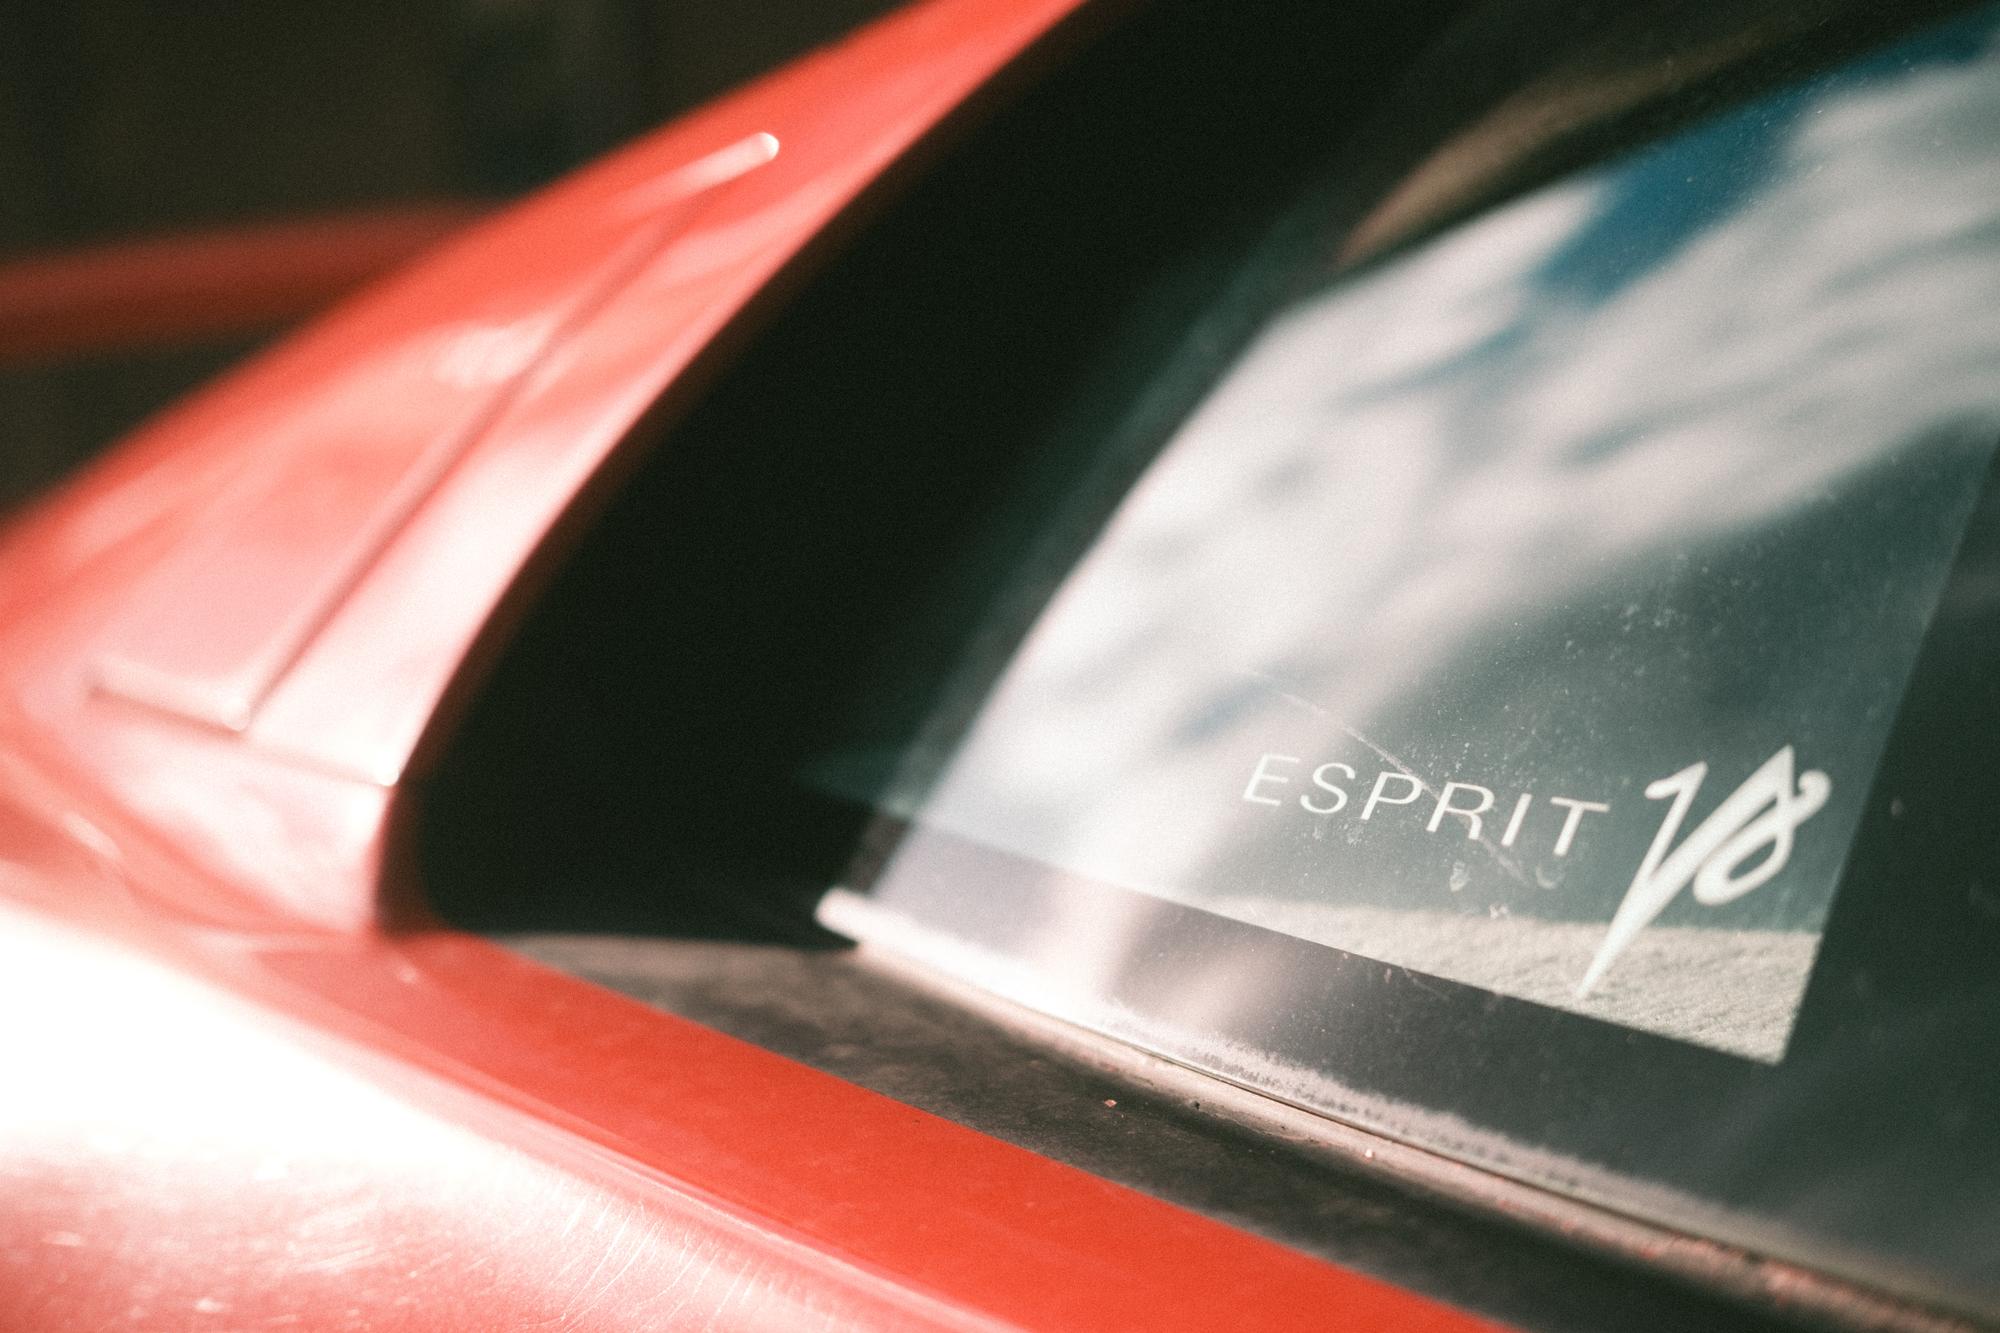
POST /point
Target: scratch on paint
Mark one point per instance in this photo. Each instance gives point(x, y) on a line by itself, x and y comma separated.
point(1493, 849)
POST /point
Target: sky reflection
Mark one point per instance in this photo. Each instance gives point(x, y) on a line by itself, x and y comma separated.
point(1661, 465)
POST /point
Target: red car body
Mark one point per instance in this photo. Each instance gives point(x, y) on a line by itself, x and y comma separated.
point(250, 1083)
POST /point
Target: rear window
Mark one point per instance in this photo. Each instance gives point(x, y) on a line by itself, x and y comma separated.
point(1531, 609)
point(1442, 575)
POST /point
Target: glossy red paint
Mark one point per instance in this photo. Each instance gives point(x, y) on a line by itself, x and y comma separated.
point(258, 1083)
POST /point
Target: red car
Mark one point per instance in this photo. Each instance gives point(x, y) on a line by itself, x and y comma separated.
point(1380, 622)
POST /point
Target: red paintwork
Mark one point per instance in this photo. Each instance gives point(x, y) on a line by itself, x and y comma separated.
point(247, 1079)
point(231, 280)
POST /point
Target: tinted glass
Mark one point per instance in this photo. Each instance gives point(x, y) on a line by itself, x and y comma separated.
point(1588, 404)
point(1474, 715)
point(1532, 610)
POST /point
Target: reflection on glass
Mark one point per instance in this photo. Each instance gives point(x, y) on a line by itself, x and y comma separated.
point(1532, 610)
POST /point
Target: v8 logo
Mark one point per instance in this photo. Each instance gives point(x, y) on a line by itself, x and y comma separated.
point(1759, 816)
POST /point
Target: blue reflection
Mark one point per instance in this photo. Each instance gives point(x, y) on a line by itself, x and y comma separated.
point(1663, 197)
point(1649, 212)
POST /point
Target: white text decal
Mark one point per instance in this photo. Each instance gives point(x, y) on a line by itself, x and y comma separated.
point(1761, 814)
